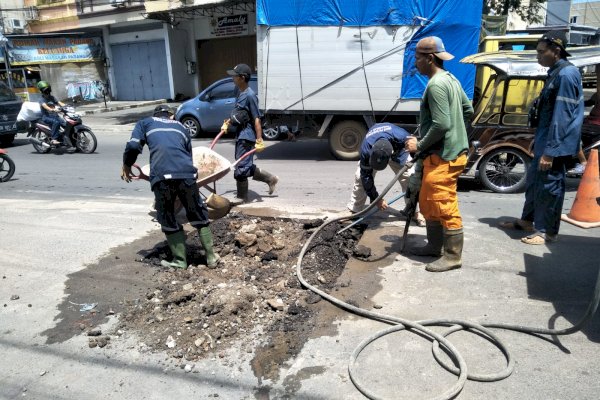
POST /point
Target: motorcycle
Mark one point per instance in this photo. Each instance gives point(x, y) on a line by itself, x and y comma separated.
point(7, 166)
point(72, 130)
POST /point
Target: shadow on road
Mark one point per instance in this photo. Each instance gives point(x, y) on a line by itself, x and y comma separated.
point(565, 276)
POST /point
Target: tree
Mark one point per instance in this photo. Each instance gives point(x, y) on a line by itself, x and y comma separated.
point(528, 10)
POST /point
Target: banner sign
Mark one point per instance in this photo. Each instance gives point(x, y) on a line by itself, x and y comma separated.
point(232, 25)
point(54, 50)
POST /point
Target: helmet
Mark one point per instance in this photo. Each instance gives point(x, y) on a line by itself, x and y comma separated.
point(44, 86)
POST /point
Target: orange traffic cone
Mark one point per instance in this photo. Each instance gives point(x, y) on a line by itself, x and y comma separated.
point(585, 212)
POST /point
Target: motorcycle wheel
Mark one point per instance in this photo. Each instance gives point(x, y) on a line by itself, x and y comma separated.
point(41, 137)
point(7, 168)
point(86, 141)
point(504, 170)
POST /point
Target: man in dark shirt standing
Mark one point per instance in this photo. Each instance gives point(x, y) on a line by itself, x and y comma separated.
point(248, 136)
point(172, 175)
point(556, 141)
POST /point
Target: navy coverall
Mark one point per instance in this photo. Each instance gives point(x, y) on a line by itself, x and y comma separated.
point(172, 171)
point(246, 138)
point(557, 135)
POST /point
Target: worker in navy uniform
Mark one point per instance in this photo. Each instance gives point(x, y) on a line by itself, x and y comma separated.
point(172, 175)
point(383, 145)
point(249, 136)
point(558, 118)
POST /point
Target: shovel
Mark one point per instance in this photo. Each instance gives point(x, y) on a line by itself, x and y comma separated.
point(218, 206)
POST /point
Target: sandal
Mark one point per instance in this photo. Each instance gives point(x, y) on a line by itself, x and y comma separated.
point(518, 224)
point(535, 239)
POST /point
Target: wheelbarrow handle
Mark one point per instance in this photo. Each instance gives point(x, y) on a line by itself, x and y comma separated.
point(214, 142)
point(232, 166)
point(140, 174)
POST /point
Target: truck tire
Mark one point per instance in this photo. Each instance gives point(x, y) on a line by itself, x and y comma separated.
point(345, 139)
point(504, 170)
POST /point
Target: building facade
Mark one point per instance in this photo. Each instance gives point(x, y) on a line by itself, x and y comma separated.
point(137, 50)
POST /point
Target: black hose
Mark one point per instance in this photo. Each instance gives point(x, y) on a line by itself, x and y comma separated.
point(400, 324)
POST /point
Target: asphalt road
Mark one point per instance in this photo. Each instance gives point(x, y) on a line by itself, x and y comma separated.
point(61, 212)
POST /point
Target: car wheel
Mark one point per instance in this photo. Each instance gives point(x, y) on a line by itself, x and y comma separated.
point(345, 140)
point(192, 125)
point(504, 170)
point(271, 133)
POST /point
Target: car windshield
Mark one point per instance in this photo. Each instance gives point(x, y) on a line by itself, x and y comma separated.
point(507, 101)
point(6, 94)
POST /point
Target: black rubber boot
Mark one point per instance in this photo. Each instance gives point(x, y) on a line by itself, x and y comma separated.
point(264, 176)
point(177, 245)
point(435, 241)
point(212, 259)
point(452, 258)
point(242, 190)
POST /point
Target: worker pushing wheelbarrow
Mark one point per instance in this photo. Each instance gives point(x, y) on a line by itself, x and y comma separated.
point(211, 167)
point(172, 177)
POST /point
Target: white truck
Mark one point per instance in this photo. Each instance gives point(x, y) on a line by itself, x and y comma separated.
point(338, 66)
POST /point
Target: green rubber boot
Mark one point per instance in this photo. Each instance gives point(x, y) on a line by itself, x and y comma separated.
point(453, 247)
point(177, 245)
point(212, 259)
point(435, 241)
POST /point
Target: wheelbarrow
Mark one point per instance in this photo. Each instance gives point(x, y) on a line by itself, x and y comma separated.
point(211, 167)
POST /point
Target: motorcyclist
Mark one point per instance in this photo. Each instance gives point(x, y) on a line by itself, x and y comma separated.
point(50, 108)
point(172, 175)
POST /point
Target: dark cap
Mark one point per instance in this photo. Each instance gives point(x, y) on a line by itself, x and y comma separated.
point(380, 154)
point(558, 38)
point(240, 69)
point(434, 45)
point(162, 109)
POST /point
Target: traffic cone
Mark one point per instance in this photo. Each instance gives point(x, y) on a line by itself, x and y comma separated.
point(585, 212)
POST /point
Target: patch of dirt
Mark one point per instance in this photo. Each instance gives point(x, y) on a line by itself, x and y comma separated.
point(253, 301)
point(197, 312)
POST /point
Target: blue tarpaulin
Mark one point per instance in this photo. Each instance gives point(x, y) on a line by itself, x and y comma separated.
point(457, 22)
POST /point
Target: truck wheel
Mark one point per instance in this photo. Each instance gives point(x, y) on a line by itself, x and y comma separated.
point(504, 170)
point(345, 140)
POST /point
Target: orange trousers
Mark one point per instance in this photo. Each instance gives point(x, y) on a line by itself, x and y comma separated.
point(437, 199)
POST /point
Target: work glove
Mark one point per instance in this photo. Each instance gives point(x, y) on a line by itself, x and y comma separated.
point(225, 126)
point(126, 173)
point(259, 146)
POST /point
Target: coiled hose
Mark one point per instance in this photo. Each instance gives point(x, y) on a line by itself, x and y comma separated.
point(421, 326)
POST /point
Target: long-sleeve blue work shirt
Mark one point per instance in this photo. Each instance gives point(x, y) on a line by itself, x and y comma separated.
point(170, 149)
point(561, 112)
point(396, 136)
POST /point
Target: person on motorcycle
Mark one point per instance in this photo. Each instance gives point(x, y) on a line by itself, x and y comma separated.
point(50, 108)
point(172, 175)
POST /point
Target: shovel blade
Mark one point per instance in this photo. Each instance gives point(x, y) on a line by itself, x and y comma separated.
point(218, 206)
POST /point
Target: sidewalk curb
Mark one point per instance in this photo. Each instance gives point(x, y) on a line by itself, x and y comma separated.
point(101, 109)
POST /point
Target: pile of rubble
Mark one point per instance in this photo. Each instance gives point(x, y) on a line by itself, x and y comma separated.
point(198, 312)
